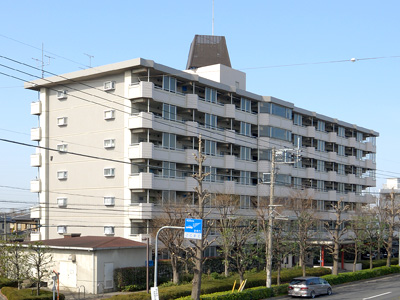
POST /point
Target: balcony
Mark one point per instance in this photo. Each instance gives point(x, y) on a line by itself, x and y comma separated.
point(141, 211)
point(310, 131)
point(36, 160)
point(141, 120)
point(141, 181)
point(230, 111)
point(142, 150)
point(332, 137)
point(192, 101)
point(36, 108)
point(141, 89)
point(310, 173)
point(36, 186)
point(332, 176)
point(35, 212)
point(36, 236)
point(36, 134)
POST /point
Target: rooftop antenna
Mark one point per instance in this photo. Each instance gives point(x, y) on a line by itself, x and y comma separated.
point(213, 17)
point(42, 62)
point(90, 59)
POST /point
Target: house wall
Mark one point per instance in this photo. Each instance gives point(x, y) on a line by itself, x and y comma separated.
point(85, 270)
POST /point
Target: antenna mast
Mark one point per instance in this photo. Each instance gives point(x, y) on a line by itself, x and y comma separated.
point(41, 61)
point(90, 59)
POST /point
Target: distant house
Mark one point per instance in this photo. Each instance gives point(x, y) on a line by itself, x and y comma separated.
point(5, 226)
point(24, 224)
point(88, 262)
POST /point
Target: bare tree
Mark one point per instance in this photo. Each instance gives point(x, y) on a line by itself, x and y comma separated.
point(227, 206)
point(17, 262)
point(336, 230)
point(357, 233)
point(371, 229)
point(301, 204)
point(200, 245)
point(173, 214)
point(388, 214)
point(40, 261)
point(282, 245)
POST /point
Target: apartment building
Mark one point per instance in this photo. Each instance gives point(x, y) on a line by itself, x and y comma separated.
point(117, 141)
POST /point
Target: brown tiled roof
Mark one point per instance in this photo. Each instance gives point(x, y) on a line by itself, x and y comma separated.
point(94, 242)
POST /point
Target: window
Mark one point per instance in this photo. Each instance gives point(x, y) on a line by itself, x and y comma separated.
point(210, 251)
point(297, 120)
point(359, 172)
point(245, 177)
point(210, 121)
point(168, 169)
point(61, 229)
point(245, 153)
point(265, 154)
point(169, 112)
point(321, 125)
point(169, 84)
point(245, 202)
point(110, 143)
point(321, 185)
point(109, 85)
point(358, 189)
point(109, 201)
point(297, 141)
point(62, 121)
point(275, 109)
point(341, 169)
point(62, 147)
point(274, 132)
point(168, 196)
point(62, 94)
point(62, 202)
point(210, 147)
point(320, 166)
point(298, 163)
point(138, 227)
point(296, 182)
point(341, 150)
point(359, 154)
point(245, 128)
point(211, 95)
point(212, 177)
point(320, 145)
point(169, 140)
point(109, 172)
point(340, 187)
point(245, 105)
point(109, 114)
point(62, 175)
point(341, 131)
point(109, 230)
point(359, 137)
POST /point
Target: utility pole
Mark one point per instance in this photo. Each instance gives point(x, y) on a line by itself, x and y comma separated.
point(270, 220)
point(5, 227)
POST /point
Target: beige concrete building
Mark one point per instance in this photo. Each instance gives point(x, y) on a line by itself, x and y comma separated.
point(137, 124)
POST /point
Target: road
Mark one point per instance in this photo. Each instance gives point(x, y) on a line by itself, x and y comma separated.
point(381, 288)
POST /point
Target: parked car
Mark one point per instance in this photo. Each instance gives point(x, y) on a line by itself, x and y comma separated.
point(309, 287)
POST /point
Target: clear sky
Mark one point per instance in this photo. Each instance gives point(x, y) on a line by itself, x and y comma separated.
point(274, 42)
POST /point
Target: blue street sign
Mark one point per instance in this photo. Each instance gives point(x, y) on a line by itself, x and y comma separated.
point(193, 229)
point(151, 263)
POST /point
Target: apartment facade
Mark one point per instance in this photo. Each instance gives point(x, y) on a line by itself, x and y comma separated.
point(117, 142)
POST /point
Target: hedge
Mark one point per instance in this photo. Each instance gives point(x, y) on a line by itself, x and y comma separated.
point(379, 262)
point(7, 282)
point(210, 285)
point(359, 275)
point(27, 294)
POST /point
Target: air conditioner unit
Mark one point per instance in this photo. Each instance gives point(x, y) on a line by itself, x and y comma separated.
point(109, 201)
point(61, 229)
point(108, 230)
point(109, 114)
point(109, 143)
point(62, 202)
point(62, 175)
point(62, 147)
point(62, 121)
point(62, 94)
point(109, 85)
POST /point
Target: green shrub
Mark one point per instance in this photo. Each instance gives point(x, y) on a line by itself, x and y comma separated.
point(134, 287)
point(27, 294)
point(7, 282)
point(379, 263)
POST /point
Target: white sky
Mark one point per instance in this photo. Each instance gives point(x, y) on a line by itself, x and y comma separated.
point(260, 35)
